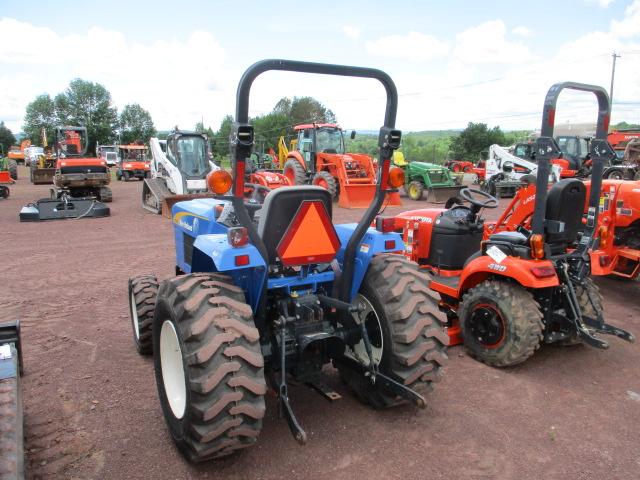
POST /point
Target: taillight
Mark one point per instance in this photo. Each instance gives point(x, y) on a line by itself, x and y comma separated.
point(389, 244)
point(238, 236)
point(537, 246)
point(241, 260)
point(385, 224)
point(542, 272)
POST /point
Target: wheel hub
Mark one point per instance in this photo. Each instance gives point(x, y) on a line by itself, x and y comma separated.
point(172, 369)
point(374, 330)
point(487, 325)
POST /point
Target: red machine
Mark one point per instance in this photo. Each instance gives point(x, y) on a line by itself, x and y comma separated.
point(320, 158)
point(133, 162)
point(506, 293)
point(457, 166)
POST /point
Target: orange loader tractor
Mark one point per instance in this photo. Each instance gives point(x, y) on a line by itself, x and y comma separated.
point(320, 159)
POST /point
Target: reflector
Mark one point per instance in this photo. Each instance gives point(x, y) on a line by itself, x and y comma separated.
point(310, 238)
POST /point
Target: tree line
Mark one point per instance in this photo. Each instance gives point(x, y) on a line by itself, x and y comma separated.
point(87, 104)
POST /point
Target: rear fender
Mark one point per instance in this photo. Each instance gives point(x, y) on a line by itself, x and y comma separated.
point(295, 155)
point(511, 267)
point(373, 243)
point(212, 253)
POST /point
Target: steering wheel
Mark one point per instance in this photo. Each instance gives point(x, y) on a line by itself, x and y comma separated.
point(256, 196)
point(468, 194)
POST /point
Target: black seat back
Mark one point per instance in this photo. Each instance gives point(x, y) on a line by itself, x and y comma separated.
point(565, 204)
point(278, 210)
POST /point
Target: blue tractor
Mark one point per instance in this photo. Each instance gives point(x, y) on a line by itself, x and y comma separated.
point(267, 291)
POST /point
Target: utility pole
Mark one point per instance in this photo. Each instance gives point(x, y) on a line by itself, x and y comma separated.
point(615, 56)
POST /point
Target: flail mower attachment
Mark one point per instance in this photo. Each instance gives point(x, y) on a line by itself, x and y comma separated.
point(63, 208)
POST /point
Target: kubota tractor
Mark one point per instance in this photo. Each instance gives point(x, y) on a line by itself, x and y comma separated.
point(320, 159)
point(507, 294)
point(269, 293)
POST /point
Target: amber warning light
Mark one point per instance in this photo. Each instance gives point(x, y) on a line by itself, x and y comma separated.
point(310, 237)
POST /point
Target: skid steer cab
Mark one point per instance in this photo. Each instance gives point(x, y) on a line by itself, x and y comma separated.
point(268, 290)
point(507, 293)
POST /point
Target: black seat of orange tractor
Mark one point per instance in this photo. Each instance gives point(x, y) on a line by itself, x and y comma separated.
point(565, 207)
point(279, 209)
point(514, 238)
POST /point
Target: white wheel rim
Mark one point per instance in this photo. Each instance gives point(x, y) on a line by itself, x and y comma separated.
point(175, 386)
point(134, 316)
point(358, 352)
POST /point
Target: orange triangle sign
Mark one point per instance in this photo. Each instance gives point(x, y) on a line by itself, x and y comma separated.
point(310, 237)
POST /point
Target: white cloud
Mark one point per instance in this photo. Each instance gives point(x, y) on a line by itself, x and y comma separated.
point(522, 31)
point(486, 43)
point(414, 46)
point(630, 25)
point(601, 3)
point(178, 81)
point(351, 31)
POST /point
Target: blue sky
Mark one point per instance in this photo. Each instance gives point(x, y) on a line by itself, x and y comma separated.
point(453, 62)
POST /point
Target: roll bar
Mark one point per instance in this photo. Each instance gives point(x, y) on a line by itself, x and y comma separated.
point(242, 138)
point(546, 149)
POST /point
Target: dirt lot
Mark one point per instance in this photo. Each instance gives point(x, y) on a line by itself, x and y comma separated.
point(91, 409)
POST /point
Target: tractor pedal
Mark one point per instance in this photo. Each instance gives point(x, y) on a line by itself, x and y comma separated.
point(324, 390)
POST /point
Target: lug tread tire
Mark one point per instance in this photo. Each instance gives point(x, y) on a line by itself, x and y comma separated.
point(106, 195)
point(583, 297)
point(224, 368)
point(399, 292)
point(419, 189)
point(523, 319)
point(12, 166)
point(145, 291)
point(330, 180)
point(299, 173)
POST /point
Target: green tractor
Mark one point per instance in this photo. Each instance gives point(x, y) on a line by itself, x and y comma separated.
point(436, 179)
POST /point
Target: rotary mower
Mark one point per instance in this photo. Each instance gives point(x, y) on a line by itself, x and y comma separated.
point(508, 293)
point(266, 293)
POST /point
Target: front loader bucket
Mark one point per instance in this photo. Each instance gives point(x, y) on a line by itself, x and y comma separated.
point(356, 196)
point(442, 194)
point(157, 198)
point(43, 176)
point(61, 208)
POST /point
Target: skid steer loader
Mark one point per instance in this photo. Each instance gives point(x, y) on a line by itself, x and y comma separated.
point(178, 171)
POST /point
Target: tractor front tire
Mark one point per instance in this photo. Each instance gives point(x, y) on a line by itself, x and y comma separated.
point(12, 166)
point(501, 323)
point(295, 172)
point(143, 291)
point(208, 364)
point(118, 175)
point(415, 190)
point(405, 328)
point(327, 181)
point(126, 176)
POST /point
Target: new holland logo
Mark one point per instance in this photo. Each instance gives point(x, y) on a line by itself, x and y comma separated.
point(182, 219)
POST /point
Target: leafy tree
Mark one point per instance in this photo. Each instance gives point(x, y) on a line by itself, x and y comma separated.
point(221, 138)
point(6, 138)
point(89, 104)
point(269, 128)
point(40, 114)
point(304, 110)
point(136, 124)
point(624, 125)
point(474, 139)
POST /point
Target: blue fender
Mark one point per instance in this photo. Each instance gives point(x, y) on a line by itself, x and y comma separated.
point(373, 243)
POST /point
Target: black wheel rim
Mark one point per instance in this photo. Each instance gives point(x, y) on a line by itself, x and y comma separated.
point(486, 325)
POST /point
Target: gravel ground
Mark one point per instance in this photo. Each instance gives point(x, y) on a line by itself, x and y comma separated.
point(91, 409)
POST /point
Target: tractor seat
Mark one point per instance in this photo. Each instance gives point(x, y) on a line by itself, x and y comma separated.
point(565, 207)
point(514, 238)
point(279, 209)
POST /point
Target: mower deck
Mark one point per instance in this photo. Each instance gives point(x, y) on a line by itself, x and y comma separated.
point(63, 208)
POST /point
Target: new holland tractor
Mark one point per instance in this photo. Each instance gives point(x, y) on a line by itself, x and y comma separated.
point(266, 294)
point(507, 294)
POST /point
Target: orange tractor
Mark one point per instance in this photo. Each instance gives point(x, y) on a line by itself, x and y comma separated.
point(320, 159)
point(133, 162)
point(17, 152)
point(506, 293)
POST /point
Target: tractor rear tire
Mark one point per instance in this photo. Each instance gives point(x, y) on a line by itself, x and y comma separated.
point(12, 166)
point(501, 323)
point(207, 356)
point(118, 175)
point(295, 172)
point(415, 190)
point(409, 339)
point(583, 298)
point(4, 192)
point(143, 291)
point(105, 195)
point(327, 181)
